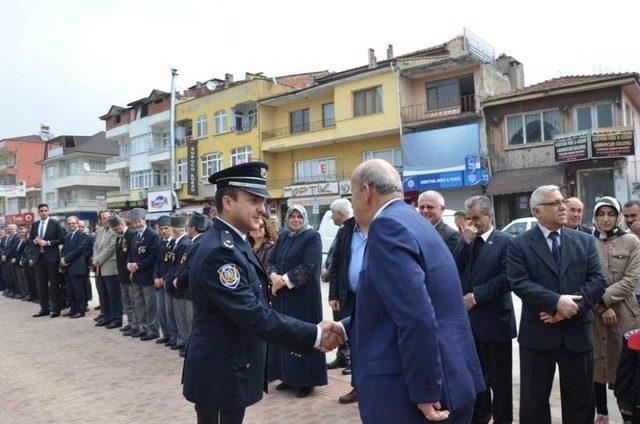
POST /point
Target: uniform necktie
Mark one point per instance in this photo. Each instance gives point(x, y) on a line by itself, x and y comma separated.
point(555, 246)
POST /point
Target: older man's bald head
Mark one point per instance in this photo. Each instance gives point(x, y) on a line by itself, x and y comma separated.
point(381, 177)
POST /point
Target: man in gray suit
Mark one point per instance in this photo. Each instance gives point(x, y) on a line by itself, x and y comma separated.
point(104, 261)
point(431, 206)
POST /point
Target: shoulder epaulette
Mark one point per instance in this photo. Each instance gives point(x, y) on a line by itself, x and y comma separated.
point(226, 239)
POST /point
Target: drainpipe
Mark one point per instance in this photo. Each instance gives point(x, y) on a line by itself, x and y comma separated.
point(172, 139)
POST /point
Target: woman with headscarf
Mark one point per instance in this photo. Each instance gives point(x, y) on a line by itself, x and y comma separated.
point(617, 311)
point(294, 274)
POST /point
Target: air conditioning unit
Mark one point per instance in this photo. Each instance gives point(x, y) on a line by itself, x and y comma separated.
point(177, 185)
point(204, 180)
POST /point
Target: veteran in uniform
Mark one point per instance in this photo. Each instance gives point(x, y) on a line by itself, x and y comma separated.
point(159, 273)
point(182, 240)
point(124, 238)
point(224, 370)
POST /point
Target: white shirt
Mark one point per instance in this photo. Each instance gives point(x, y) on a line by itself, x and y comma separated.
point(485, 236)
point(546, 232)
point(178, 239)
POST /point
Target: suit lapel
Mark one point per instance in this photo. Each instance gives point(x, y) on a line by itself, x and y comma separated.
point(251, 255)
point(540, 246)
point(483, 253)
point(566, 251)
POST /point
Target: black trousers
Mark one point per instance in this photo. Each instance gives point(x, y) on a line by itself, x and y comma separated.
point(21, 273)
point(537, 368)
point(76, 291)
point(48, 281)
point(103, 296)
point(217, 416)
point(496, 362)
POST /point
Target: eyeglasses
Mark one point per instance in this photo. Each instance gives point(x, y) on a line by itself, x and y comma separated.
point(555, 203)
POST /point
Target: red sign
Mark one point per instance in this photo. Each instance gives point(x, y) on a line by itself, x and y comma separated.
point(20, 218)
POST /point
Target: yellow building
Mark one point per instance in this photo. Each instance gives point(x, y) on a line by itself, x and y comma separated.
point(313, 138)
point(216, 129)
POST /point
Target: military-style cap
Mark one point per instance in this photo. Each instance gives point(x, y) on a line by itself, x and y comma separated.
point(164, 221)
point(199, 221)
point(178, 221)
point(114, 220)
point(250, 177)
point(137, 213)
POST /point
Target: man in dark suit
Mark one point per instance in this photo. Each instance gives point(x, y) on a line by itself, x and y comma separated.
point(161, 266)
point(19, 272)
point(47, 235)
point(177, 250)
point(412, 349)
point(556, 272)
point(3, 242)
point(141, 261)
point(74, 263)
point(431, 206)
point(575, 207)
point(481, 259)
point(9, 268)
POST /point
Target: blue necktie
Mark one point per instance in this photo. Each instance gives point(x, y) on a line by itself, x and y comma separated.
point(41, 234)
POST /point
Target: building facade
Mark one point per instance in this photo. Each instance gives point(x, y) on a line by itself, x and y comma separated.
point(141, 132)
point(74, 176)
point(577, 132)
point(18, 166)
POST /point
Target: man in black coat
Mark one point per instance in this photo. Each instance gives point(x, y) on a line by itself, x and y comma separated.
point(481, 260)
point(9, 268)
point(74, 263)
point(224, 370)
point(175, 254)
point(556, 272)
point(124, 239)
point(431, 206)
point(47, 235)
point(575, 208)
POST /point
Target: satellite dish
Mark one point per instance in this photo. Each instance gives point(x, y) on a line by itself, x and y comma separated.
point(86, 167)
point(211, 85)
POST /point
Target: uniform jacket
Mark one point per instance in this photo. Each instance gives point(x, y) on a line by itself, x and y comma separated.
point(225, 363)
point(536, 279)
point(627, 384)
point(144, 252)
point(54, 234)
point(620, 260)
point(184, 266)
point(73, 252)
point(410, 336)
point(340, 259)
point(448, 234)
point(165, 252)
point(123, 245)
point(178, 250)
point(492, 319)
point(104, 251)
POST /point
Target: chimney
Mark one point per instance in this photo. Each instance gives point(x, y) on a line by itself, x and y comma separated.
point(228, 79)
point(390, 52)
point(372, 59)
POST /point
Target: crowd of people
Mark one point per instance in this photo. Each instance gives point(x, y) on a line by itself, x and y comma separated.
point(198, 281)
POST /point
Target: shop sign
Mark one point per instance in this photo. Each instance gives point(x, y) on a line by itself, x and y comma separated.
point(612, 142)
point(159, 201)
point(571, 147)
point(317, 189)
point(192, 168)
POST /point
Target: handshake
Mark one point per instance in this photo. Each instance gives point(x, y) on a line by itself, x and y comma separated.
point(333, 336)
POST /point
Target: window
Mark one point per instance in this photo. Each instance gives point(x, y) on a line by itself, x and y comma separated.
point(328, 115)
point(182, 171)
point(393, 156)
point(532, 127)
point(188, 129)
point(164, 138)
point(594, 116)
point(118, 119)
point(367, 101)
point(51, 171)
point(50, 198)
point(211, 163)
point(97, 165)
point(252, 118)
point(95, 193)
point(141, 144)
point(299, 121)
point(315, 170)
point(241, 155)
point(144, 110)
point(202, 124)
point(443, 95)
point(140, 179)
point(73, 168)
point(220, 119)
point(124, 149)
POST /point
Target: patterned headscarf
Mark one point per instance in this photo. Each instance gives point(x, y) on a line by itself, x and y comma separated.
point(305, 225)
point(617, 229)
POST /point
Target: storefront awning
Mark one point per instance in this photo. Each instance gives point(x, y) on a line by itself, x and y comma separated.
point(525, 180)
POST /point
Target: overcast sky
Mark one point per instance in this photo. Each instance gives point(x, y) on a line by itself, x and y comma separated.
point(66, 62)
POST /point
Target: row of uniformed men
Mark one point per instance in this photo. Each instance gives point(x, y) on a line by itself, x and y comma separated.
point(153, 269)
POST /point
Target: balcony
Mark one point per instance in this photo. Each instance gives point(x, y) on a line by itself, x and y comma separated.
point(298, 129)
point(159, 153)
point(77, 205)
point(117, 162)
point(246, 127)
point(84, 178)
point(442, 109)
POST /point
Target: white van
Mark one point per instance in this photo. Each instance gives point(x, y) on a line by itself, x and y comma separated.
point(328, 231)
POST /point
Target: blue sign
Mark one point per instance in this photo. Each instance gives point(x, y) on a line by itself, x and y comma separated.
point(470, 163)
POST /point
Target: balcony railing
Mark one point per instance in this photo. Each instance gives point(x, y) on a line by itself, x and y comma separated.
point(184, 140)
point(116, 159)
point(246, 127)
point(77, 203)
point(297, 129)
point(442, 108)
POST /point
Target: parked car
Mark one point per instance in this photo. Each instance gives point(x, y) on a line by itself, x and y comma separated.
point(520, 225)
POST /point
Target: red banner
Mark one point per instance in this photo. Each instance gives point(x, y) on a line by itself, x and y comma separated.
point(20, 219)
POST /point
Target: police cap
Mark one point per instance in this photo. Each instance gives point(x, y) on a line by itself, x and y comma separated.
point(250, 177)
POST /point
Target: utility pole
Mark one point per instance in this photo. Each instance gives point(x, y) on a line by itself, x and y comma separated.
point(172, 139)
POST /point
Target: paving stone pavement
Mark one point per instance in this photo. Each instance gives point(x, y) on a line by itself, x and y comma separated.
point(69, 371)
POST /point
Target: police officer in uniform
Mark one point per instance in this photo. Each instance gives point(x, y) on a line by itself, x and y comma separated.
point(224, 369)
